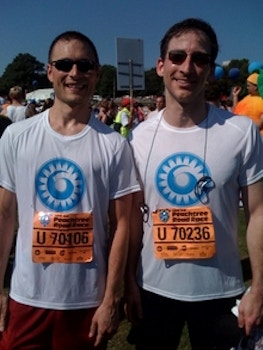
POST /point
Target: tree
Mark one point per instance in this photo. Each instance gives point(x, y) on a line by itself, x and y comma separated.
point(153, 83)
point(25, 71)
point(106, 86)
point(228, 80)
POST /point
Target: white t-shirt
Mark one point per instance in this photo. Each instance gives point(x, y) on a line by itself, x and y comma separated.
point(56, 173)
point(16, 113)
point(170, 161)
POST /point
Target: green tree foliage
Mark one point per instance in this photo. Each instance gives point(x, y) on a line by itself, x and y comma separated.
point(226, 83)
point(153, 83)
point(25, 71)
point(106, 86)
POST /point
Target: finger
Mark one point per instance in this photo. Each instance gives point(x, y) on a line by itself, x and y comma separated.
point(92, 330)
point(3, 313)
point(98, 339)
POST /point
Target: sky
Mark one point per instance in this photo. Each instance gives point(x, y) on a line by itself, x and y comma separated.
point(29, 26)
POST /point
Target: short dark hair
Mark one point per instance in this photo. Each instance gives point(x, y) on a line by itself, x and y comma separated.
point(190, 24)
point(70, 35)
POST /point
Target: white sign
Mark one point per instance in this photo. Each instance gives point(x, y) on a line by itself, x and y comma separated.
point(130, 66)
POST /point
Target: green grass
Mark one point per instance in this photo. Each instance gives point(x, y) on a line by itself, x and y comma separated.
point(119, 342)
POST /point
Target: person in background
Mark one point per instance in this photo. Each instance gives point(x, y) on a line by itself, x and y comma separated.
point(102, 110)
point(111, 113)
point(2, 101)
point(252, 104)
point(31, 109)
point(48, 103)
point(6, 103)
point(16, 110)
point(107, 111)
point(193, 160)
point(213, 93)
point(138, 113)
point(71, 178)
point(159, 105)
point(123, 121)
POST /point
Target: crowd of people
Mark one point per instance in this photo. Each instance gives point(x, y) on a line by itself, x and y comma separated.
point(122, 115)
point(15, 108)
point(125, 200)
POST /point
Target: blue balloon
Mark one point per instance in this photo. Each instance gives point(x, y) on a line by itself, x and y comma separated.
point(219, 72)
point(234, 73)
point(254, 67)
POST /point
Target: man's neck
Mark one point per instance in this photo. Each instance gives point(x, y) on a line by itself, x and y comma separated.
point(185, 116)
point(68, 121)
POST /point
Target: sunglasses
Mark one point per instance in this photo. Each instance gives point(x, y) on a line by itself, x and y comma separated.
point(198, 58)
point(66, 65)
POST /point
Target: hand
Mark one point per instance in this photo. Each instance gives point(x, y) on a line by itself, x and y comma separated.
point(105, 323)
point(133, 308)
point(3, 310)
point(236, 90)
point(250, 311)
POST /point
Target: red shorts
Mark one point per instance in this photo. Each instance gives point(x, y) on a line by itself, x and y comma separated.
point(35, 328)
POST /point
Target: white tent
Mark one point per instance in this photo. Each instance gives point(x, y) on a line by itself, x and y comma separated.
point(40, 94)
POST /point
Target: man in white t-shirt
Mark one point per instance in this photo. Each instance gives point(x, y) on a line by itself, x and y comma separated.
point(193, 159)
point(159, 104)
point(72, 179)
point(16, 110)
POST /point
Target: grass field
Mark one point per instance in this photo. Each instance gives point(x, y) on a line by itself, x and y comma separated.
point(119, 341)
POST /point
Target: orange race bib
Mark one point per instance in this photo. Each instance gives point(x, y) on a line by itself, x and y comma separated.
point(62, 238)
point(183, 233)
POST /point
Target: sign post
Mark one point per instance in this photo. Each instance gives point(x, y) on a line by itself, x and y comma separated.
point(130, 67)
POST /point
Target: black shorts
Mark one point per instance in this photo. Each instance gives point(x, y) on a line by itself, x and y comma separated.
point(210, 324)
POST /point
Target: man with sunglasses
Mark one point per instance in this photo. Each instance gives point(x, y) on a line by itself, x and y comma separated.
point(71, 178)
point(193, 159)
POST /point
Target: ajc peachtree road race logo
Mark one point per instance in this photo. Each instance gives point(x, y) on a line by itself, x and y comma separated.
point(60, 184)
point(177, 176)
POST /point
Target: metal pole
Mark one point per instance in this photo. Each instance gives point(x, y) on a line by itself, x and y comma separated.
point(131, 79)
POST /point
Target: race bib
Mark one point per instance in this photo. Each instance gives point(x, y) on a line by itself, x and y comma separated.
point(183, 233)
point(62, 238)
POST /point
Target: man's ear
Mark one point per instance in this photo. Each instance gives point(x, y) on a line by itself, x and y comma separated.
point(49, 73)
point(159, 67)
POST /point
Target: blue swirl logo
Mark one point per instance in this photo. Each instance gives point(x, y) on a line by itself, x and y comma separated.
point(177, 176)
point(60, 184)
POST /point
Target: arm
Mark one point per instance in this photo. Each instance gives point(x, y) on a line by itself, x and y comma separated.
point(251, 306)
point(132, 295)
point(7, 231)
point(105, 320)
point(235, 92)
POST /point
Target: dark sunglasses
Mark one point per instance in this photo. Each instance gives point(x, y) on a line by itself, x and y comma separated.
point(67, 64)
point(198, 58)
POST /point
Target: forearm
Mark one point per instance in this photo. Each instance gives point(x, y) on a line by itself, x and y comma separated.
point(116, 267)
point(135, 243)
point(251, 305)
point(255, 250)
point(119, 215)
point(7, 231)
point(6, 241)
